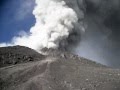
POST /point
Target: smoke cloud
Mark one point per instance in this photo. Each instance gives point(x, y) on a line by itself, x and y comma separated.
point(55, 27)
point(101, 41)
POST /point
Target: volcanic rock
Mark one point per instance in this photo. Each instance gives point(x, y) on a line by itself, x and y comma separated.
point(56, 71)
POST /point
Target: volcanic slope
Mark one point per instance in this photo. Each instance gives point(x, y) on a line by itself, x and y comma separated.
point(56, 71)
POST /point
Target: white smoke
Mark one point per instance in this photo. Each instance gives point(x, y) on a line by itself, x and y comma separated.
point(54, 23)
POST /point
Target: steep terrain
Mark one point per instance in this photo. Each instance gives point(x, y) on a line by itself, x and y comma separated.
point(56, 71)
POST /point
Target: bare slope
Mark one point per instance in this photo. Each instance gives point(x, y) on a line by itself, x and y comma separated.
point(58, 71)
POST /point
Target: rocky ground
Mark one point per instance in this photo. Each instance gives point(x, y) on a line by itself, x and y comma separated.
point(56, 71)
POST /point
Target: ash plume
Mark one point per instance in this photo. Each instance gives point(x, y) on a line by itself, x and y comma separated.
point(54, 27)
point(101, 41)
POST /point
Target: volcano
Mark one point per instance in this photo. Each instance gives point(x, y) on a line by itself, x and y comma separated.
point(22, 68)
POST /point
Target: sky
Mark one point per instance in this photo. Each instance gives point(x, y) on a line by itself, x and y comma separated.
point(15, 16)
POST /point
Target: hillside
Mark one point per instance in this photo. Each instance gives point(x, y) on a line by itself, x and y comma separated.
point(56, 71)
point(17, 54)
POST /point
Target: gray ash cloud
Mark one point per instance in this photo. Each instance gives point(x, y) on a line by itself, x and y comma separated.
point(101, 41)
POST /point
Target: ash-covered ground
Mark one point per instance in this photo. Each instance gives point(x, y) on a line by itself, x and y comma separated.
point(22, 68)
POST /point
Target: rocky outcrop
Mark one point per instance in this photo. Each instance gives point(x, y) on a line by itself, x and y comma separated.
point(18, 54)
